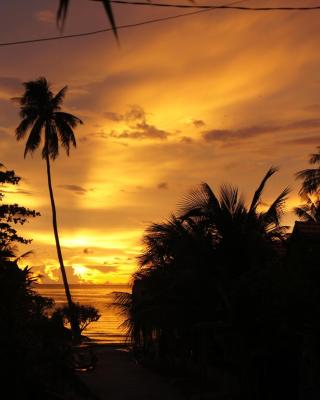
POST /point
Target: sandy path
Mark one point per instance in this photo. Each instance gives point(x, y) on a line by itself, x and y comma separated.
point(118, 377)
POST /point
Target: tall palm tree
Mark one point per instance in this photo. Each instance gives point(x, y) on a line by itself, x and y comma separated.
point(311, 176)
point(40, 111)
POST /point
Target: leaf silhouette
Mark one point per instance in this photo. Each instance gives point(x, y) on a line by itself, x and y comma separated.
point(63, 11)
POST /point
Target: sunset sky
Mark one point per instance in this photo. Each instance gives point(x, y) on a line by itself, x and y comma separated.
point(216, 97)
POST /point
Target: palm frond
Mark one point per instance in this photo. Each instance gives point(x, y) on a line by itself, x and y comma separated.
point(315, 158)
point(198, 202)
point(311, 180)
point(24, 126)
point(34, 138)
point(276, 210)
point(230, 199)
point(303, 214)
point(70, 119)
point(66, 134)
point(108, 8)
point(121, 301)
point(310, 211)
point(63, 11)
point(24, 255)
point(58, 98)
point(257, 195)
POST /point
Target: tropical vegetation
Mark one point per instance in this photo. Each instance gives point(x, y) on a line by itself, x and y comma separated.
point(11, 215)
point(310, 210)
point(310, 177)
point(85, 315)
point(215, 295)
point(41, 115)
point(37, 357)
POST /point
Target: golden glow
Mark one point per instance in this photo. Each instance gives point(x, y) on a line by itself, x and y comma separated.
point(23, 196)
point(52, 269)
point(230, 70)
point(84, 239)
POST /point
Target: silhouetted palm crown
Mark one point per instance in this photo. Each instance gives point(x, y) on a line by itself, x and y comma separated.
point(228, 213)
point(310, 211)
point(41, 112)
point(311, 176)
point(193, 267)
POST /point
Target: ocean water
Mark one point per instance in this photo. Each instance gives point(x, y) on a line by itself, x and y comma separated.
point(107, 328)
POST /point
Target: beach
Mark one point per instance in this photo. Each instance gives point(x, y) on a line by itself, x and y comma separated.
point(108, 328)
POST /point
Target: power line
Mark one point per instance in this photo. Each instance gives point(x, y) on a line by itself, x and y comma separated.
point(200, 9)
point(91, 33)
point(212, 7)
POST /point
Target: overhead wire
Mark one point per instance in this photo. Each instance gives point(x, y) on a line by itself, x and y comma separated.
point(199, 9)
point(91, 33)
point(218, 7)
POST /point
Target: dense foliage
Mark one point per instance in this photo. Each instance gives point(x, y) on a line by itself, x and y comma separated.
point(11, 215)
point(216, 295)
point(85, 315)
point(35, 349)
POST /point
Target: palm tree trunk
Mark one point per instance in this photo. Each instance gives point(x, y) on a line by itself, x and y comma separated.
point(73, 320)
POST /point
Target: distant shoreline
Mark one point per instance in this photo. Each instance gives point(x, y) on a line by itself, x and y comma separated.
point(82, 285)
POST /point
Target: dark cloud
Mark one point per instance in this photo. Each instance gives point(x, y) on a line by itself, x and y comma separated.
point(74, 188)
point(113, 116)
point(198, 123)
point(138, 127)
point(314, 140)
point(186, 140)
point(303, 124)
point(135, 113)
point(257, 130)
point(107, 267)
point(163, 185)
point(19, 191)
point(142, 130)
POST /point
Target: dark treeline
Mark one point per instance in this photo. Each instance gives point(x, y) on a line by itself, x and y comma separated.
point(227, 300)
point(36, 353)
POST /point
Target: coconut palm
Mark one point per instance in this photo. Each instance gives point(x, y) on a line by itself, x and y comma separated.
point(40, 111)
point(310, 211)
point(228, 214)
point(311, 176)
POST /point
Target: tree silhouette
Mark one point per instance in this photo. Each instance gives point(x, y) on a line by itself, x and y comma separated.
point(10, 215)
point(40, 111)
point(86, 314)
point(208, 270)
point(311, 176)
point(229, 209)
point(310, 211)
